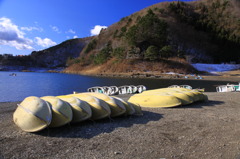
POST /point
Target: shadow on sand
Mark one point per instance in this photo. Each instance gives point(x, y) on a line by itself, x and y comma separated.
point(202, 104)
point(89, 129)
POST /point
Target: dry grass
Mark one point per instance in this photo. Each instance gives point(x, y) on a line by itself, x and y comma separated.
point(114, 66)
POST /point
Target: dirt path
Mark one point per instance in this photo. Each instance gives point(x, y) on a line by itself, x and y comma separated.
point(201, 130)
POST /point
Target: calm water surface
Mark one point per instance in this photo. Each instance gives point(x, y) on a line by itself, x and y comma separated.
point(16, 88)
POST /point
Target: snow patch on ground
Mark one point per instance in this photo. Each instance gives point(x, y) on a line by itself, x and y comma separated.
point(170, 73)
point(214, 68)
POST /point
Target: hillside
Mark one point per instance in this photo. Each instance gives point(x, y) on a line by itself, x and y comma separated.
point(165, 37)
point(56, 56)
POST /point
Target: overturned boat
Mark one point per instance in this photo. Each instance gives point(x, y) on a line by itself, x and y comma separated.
point(228, 88)
point(167, 97)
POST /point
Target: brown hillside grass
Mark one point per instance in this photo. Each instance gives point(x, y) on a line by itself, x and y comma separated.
point(134, 66)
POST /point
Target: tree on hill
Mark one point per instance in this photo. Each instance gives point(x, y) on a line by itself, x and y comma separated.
point(151, 53)
point(103, 55)
point(149, 30)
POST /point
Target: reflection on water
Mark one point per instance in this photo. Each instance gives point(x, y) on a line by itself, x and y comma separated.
point(24, 84)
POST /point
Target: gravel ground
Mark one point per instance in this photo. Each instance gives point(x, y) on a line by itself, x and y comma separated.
point(200, 130)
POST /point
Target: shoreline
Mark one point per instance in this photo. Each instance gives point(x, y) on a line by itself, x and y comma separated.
point(208, 82)
point(225, 76)
point(221, 76)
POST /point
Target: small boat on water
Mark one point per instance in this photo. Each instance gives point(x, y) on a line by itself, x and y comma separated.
point(13, 74)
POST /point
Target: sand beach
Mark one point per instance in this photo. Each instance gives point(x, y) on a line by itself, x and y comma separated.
point(200, 130)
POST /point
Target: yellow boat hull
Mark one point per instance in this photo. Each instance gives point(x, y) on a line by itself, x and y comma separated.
point(193, 95)
point(129, 108)
point(100, 109)
point(136, 107)
point(81, 109)
point(184, 98)
point(117, 108)
point(32, 114)
point(155, 100)
point(61, 111)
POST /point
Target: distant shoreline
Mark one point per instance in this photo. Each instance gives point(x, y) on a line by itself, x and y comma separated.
point(220, 76)
point(29, 69)
point(153, 75)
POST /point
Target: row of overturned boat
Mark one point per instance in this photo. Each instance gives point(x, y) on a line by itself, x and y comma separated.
point(130, 89)
point(34, 114)
point(114, 90)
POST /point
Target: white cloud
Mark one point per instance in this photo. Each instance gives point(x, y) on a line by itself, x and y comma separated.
point(17, 45)
point(74, 37)
point(32, 28)
point(71, 31)
point(56, 29)
point(10, 35)
point(44, 42)
point(96, 30)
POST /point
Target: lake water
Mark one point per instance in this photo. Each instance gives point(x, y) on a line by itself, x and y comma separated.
point(16, 88)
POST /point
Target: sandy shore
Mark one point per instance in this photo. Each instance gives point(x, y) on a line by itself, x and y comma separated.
point(201, 130)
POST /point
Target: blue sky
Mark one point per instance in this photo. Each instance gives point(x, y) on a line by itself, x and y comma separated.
point(30, 25)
